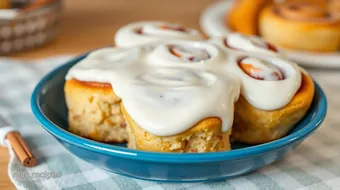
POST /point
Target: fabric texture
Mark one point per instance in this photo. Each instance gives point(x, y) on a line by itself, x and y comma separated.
point(315, 164)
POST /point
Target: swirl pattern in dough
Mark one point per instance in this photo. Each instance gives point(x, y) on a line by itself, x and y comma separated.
point(302, 25)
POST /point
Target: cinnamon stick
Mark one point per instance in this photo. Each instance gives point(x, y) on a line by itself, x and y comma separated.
point(21, 149)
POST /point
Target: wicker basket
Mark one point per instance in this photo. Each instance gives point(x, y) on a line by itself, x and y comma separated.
point(31, 29)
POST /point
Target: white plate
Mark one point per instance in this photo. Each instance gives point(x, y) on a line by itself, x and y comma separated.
point(212, 22)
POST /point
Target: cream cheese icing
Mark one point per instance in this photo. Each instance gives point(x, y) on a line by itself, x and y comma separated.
point(182, 82)
point(267, 94)
point(260, 69)
point(249, 44)
point(152, 93)
point(139, 33)
point(199, 55)
point(174, 99)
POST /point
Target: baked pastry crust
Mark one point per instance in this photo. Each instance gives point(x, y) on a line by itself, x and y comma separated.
point(205, 136)
point(94, 111)
point(255, 126)
point(243, 17)
point(306, 31)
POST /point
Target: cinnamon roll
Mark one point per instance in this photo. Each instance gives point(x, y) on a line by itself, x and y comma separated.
point(139, 33)
point(243, 17)
point(302, 25)
point(275, 95)
point(174, 105)
point(184, 110)
point(93, 108)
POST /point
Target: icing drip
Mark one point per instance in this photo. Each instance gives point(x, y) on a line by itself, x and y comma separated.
point(181, 97)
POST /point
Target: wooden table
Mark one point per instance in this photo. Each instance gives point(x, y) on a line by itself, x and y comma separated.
point(88, 24)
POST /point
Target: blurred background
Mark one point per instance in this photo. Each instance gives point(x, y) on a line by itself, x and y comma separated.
point(76, 26)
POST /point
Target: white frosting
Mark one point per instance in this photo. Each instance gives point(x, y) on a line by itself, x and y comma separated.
point(168, 101)
point(249, 44)
point(128, 36)
point(162, 100)
point(189, 54)
point(167, 86)
point(267, 94)
point(261, 69)
point(106, 63)
point(205, 55)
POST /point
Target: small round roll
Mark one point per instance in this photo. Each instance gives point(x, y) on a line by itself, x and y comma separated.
point(94, 111)
point(243, 17)
point(301, 25)
point(255, 126)
point(205, 136)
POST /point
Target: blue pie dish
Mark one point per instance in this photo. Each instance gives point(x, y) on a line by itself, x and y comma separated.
point(48, 106)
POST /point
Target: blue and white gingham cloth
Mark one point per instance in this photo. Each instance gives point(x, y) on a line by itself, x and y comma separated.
point(315, 164)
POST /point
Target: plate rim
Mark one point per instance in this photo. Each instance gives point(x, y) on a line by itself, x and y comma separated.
point(212, 26)
point(319, 113)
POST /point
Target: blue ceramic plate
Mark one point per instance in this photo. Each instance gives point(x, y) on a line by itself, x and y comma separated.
point(48, 105)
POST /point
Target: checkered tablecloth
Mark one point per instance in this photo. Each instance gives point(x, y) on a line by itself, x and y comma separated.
point(315, 164)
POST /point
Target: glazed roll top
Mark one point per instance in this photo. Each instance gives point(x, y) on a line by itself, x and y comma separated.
point(139, 33)
point(195, 55)
point(269, 80)
point(267, 83)
point(106, 63)
point(236, 42)
point(168, 88)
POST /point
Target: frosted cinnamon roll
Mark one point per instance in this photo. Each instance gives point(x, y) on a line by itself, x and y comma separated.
point(236, 42)
point(167, 108)
point(275, 95)
point(93, 108)
point(301, 25)
point(179, 96)
point(184, 110)
point(139, 33)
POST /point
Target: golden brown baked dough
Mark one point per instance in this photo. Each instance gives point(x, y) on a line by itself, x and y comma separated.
point(94, 111)
point(302, 25)
point(243, 17)
point(205, 136)
point(334, 7)
point(255, 126)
